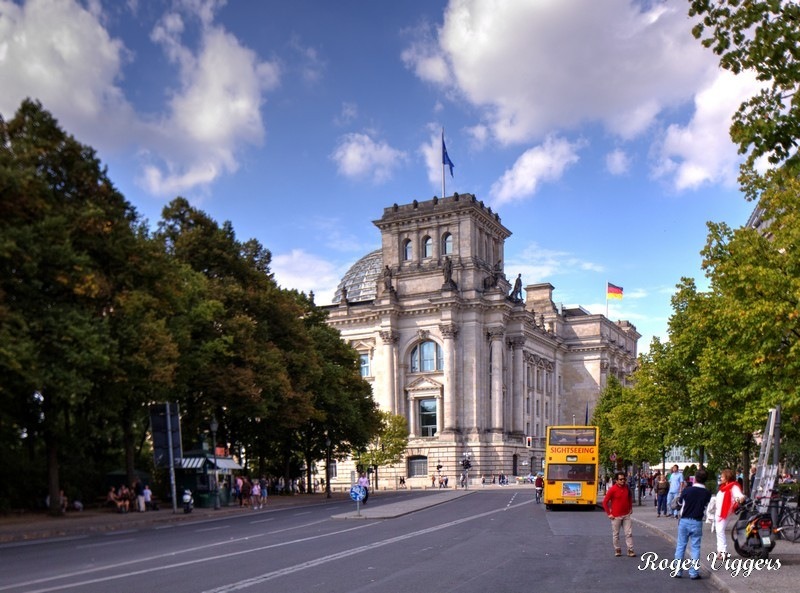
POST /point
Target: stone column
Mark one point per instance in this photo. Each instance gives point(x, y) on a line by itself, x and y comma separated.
point(412, 418)
point(390, 381)
point(450, 401)
point(517, 392)
point(496, 345)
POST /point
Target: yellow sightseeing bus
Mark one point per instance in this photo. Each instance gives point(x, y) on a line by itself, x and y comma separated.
point(572, 463)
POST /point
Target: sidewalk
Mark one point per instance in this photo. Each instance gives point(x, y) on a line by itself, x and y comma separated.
point(29, 527)
point(35, 526)
point(785, 579)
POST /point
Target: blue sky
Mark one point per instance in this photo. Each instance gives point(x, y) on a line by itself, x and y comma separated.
point(597, 130)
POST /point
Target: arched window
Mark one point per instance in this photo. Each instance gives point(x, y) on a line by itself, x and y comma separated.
point(426, 357)
point(427, 247)
point(407, 251)
point(447, 244)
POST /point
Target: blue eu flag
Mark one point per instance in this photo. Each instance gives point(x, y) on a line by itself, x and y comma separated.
point(446, 159)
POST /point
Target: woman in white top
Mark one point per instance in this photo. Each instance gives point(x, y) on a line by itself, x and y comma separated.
point(727, 493)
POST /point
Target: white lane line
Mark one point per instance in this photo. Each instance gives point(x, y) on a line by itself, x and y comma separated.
point(152, 558)
point(246, 583)
point(105, 544)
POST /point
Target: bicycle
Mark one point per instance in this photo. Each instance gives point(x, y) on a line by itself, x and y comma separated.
point(788, 518)
point(538, 494)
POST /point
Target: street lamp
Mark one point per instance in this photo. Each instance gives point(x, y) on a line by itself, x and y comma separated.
point(214, 426)
point(327, 467)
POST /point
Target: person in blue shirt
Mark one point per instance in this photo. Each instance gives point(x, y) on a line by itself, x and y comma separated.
point(676, 484)
point(690, 528)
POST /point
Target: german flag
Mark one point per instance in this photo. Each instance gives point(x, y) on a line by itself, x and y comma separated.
point(613, 291)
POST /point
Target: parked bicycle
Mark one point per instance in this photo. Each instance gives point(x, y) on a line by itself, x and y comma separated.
point(788, 517)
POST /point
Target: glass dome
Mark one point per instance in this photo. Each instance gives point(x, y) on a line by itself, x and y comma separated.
point(361, 279)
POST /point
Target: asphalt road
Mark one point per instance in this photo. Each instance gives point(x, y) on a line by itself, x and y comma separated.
point(496, 540)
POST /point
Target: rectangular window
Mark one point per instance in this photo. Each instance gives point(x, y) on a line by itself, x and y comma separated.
point(365, 370)
point(427, 417)
point(428, 356)
point(332, 470)
point(418, 466)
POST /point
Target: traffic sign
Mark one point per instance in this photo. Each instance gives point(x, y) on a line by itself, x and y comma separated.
point(358, 493)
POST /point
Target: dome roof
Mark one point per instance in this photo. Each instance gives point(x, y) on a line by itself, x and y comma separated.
point(361, 279)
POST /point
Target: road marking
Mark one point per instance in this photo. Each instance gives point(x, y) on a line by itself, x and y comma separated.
point(246, 583)
point(161, 556)
point(105, 544)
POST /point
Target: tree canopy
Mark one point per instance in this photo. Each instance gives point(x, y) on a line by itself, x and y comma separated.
point(101, 317)
point(733, 349)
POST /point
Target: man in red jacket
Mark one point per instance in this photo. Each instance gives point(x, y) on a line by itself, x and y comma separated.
point(618, 505)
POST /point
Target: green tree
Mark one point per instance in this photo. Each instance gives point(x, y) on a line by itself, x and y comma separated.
point(345, 413)
point(389, 444)
point(760, 36)
point(62, 220)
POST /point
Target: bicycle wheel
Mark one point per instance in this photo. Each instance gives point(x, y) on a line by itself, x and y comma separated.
point(790, 526)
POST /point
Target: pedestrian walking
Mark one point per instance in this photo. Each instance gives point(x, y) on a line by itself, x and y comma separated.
point(690, 526)
point(618, 505)
point(363, 481)
point(676, 484)
point(662, 490)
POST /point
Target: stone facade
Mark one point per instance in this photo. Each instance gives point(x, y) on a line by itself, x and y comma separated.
point(473, 366)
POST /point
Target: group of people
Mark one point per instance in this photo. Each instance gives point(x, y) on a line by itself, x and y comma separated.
point(695, 503)
point(251, 493)
point(138, 497)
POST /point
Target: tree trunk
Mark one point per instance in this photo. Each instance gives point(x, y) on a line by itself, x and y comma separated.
point(53, 488)
point(128, 441)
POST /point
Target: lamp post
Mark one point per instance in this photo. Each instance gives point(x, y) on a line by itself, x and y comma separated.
point(214, 426)
point(327, 467)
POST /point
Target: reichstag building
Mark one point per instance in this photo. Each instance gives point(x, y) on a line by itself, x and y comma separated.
point(474, 361)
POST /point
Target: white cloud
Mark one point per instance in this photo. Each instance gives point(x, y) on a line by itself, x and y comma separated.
point(546, 162)
point(311, 65)
point(305, 272)
point(347, 115)
point(616, 62)
point(358, 156)
point(61, 54)
point(702, 152)
point(424, 57)
point(536, 68)
point(617, 162)
point(215, 111)
point(538, 264)
point(57, 52)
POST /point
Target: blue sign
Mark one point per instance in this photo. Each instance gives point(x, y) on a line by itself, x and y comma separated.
point(357, 493)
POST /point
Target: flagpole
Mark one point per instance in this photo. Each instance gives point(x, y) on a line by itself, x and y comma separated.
point(442, 162)
point(606, 299)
